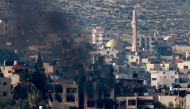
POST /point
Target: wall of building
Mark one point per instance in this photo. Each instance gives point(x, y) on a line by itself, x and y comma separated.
point(166, 99)
point(187, 101)
point(164, 78)
point(166, 66)
point(5, 88)
point(8, 73)
point(134, 58)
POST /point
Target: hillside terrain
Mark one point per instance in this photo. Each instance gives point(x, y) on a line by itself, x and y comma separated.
point(161, 16)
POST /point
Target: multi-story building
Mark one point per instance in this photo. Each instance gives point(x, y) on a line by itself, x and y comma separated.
point(147, 43)
point(46, 45)
point(153, 67)
point(169, 40)
point(10, 70)
point(177, 96)
point(164, 77)
point(8, 27)
point(101, 36)
point(183, 66)
point(5, 87)
point(133, 94)
point(63, 93)
point(98, 95)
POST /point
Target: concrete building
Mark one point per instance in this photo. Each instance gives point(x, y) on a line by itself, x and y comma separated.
point(10, 70)
point(164, 77)
point(46, 45)
point(98, 95)
point(182, 65)
point(153, 67)
point(8, 27)
point(101, 36)
point(133, 94)
point(135, 102)
point(148, 43)
point(63, 93)
point(5, 87)
point(179, 97)
point(169, 40)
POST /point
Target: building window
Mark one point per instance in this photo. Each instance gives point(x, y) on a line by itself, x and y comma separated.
point(4, 83)
point(9, 71)
point(131, 57)
point(4, 94)
point(172, 77)
point(163, 72)
point(137, 60)
point(185, 67)
point(154, 79)
point(97, 41)
point(137, 39)
point(131, 102)
point(164, 76)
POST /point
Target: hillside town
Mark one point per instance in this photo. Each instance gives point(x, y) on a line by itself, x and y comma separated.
point(103, 70)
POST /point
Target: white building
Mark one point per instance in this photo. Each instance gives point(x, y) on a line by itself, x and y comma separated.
point(100, 36)
point(164, 77)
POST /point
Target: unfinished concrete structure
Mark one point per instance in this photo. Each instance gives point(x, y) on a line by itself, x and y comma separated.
point(63, 93)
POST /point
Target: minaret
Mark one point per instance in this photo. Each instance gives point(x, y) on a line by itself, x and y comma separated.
point(134, 27)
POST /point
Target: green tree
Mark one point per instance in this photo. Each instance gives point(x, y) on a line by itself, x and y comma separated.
point(38, 75)
point(170, 106)
point(21, 104)
point(4, 103)
point(24, 86)
point(34, 98)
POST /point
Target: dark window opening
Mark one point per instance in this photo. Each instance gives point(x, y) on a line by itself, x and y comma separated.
point(4, 93)
point(131, 102)
point(154, 79)
point(185, 67)
point(4, 83)
point(91, 104)
point(100, 105)
point(70, 99)
point(71, 90)
point(58, 88)
point(50, 88)
point(58, 98)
